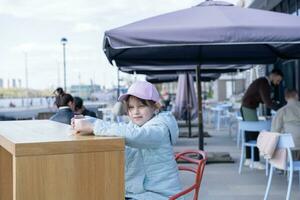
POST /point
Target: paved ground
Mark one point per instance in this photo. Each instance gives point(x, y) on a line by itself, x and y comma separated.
point(222, 181)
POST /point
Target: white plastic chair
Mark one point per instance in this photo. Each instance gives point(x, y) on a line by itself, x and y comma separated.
point(285, 142)
point(217, 116)
point(239, 132)
point(252, 126)
point(221, 113)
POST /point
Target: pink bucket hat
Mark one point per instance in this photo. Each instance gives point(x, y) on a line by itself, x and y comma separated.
point(143, 90)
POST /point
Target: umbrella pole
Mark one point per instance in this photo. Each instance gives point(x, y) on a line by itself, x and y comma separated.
point(200, 122)
point(118, 77)
point(188, 106)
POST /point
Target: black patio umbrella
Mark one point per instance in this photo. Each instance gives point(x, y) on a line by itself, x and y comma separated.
point(210, 33)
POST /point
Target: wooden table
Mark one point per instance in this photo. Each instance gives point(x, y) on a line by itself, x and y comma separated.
point(41, 160)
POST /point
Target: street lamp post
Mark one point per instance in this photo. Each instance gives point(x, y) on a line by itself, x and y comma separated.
point(64, 41)
point(26, 78)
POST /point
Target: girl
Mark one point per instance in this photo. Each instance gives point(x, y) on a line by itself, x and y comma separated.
point(151, 172)
point(65, 105)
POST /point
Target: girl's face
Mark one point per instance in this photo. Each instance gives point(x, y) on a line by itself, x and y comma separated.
point(139, 113)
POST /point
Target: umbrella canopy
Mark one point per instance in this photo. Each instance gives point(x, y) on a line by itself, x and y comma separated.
point(163, 78)
point(150, 70)
point(210, 33)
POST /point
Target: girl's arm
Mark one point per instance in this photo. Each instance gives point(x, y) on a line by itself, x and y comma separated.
point(148, 136)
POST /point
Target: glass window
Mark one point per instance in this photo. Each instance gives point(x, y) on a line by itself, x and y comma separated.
point(297, 75)
point(288, 69)
point(298, 7)
point(278, 8)
point(284, 7)
point(292, 7)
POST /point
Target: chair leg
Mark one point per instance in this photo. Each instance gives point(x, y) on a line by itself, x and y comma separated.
point(269, 183)
point(242, 158)
point(229, 128)
point(267, 167)
point(218, 120)
point(252, 157)
point(238, 138)
point(299, 178)
point(289, 185)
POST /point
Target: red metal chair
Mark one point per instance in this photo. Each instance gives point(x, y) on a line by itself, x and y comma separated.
point(197, 168)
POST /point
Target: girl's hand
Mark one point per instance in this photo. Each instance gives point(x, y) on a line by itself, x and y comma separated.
point(75, 117)
point(82, 126)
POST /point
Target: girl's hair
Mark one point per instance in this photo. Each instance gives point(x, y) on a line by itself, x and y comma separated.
point(62, 98)
point(149, 103)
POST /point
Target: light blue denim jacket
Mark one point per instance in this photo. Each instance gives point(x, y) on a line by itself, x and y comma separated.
point(151, 172)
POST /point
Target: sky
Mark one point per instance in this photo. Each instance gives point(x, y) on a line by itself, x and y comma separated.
point(33, 29)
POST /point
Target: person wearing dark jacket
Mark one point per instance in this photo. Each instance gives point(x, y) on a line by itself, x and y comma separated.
point(65, 105)
point(80, 109)
point(258, 92)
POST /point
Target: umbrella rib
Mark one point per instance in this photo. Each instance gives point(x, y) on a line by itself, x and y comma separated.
point(121, 51)
point(275, 51)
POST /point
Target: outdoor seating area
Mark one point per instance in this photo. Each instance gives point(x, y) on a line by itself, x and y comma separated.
point(237, 182)
point(219, 114)
point(185, 100)
point(222, 180)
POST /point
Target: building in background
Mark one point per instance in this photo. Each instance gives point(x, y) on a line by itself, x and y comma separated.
point(1, 83)
point(229, 85)
point(14, 83)
point(19, 83)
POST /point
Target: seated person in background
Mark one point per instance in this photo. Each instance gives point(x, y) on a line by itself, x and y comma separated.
point(80, 109)
point(65, 105)
point(287, 119)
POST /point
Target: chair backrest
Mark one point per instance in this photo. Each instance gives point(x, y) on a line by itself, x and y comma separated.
point(285, 141)
point(198, 159)
point(255, 125)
